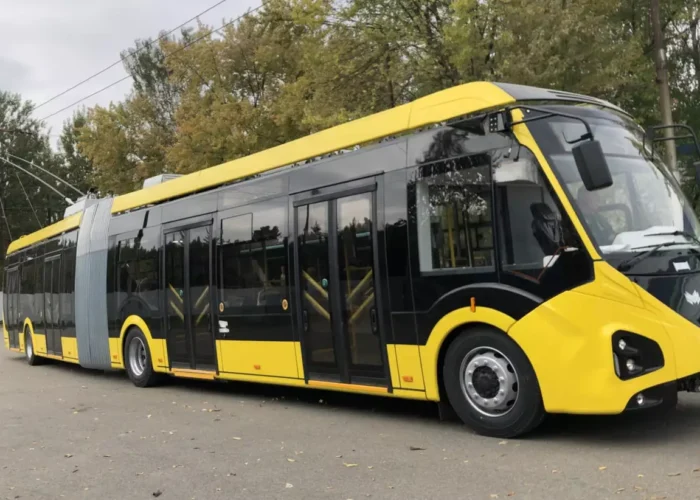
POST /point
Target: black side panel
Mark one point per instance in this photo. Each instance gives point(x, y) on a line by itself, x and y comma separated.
point(347, 167)
point(512, 301)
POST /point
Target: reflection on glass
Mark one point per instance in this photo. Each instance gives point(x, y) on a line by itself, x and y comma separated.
point(199, 293)
point(254, 257)
point(644, 197)
point(178, 349)
point(454, 214)
point(312, 237)
point(355, 263)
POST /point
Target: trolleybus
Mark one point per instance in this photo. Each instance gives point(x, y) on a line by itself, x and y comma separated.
point(506, 251)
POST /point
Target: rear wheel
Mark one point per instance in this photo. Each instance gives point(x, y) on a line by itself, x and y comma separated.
point(491, 385)
point(29, 353)
point(137, 359)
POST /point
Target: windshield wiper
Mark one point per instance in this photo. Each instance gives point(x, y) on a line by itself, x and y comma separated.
point(678, 232)
point(626, 265)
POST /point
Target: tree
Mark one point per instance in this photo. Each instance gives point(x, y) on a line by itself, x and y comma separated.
point(73, 166)
point(22, 136)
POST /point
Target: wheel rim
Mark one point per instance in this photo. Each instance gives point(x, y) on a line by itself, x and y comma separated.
point(29, 350)
point(137, 356)
point(489, 381)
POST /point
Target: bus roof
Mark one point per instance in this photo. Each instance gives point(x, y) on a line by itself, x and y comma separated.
point(54, 229)
point(433, 108)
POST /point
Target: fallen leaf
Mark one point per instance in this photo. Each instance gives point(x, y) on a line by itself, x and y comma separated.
point(554, 471)
point(640, 475)
point(291, 460)
point(503, 442)
point(673, 474)
point(157, 493)
point(370, 467)
point(602, 467)
point(494, 495)
point(67, 455)
point(236, 438)
point(637, 488)
point(148, 416)
point(416, 448)
point(289, 485)
point(349, 465)
point(619, 490)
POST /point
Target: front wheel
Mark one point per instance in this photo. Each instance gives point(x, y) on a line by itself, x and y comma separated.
point(137, 359)
point(491, 384)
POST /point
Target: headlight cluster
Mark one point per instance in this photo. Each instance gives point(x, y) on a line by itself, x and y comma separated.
point(635, 355)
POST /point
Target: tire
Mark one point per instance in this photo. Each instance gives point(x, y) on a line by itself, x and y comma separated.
point(29, 352)
point(138, 361)
point(501, 398)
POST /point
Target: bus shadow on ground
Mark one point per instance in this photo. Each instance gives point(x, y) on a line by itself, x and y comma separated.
point(643, 427)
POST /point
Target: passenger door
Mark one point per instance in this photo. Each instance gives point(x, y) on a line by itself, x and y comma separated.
point(188, 278)
point(336, 285)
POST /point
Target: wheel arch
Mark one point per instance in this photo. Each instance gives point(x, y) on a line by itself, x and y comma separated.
point(445, 331)
point(28, 326)
point(130, 323)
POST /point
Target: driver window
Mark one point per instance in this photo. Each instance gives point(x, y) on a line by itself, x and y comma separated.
point(607, 212)
point(530, 221)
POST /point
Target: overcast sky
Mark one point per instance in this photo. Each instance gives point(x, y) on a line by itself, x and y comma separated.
point(47, 46)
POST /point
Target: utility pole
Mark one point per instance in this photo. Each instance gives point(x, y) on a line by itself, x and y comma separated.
point(662, 82)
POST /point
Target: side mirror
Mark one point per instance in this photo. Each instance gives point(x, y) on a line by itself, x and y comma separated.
point(592, 165)
point(696, 166)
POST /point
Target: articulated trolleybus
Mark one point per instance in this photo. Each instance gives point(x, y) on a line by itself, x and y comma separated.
point(503, 250)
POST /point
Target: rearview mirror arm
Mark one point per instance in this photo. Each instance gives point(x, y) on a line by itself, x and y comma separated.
point(509, 123)
point(651, 133)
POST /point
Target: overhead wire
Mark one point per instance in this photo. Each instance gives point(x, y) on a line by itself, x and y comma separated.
point(29, 200)
point(7, 223)
point(49, 173)
point(67, 200)
point(179, 49)
point(132, 54)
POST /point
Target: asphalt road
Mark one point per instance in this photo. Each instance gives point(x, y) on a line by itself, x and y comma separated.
point(66, 432)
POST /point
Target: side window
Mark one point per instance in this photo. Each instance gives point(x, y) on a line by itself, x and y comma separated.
point(27, 287)
point(454, 214)
point(126, 268)
point(137, 268)
point(531, 224)
point(254, 262)
point(236, 235)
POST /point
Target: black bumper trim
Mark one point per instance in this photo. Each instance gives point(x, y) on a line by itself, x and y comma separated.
point(654, 396)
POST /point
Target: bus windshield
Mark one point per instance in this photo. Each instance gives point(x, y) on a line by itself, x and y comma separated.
point(645, 205)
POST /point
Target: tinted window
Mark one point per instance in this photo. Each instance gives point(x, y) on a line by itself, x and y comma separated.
point(254, 261)
point(454, 214)
point(27, 287)
point(137, 267)
point(68, 291)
